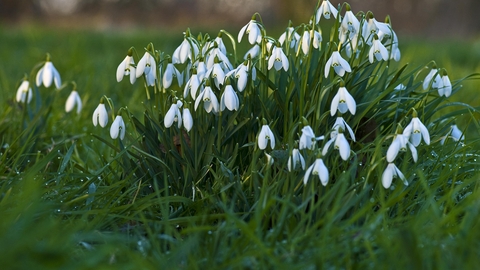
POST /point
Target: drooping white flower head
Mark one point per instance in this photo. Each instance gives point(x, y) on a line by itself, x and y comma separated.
point(252, 29)
point(117, 130)
point(188, 49)
point(23, 91)
point(392, 172)
point(171, 72)
point(400, 143)
point(173, 115)
point(372, 27)
point(319, 169)
point(270, 159)
point(147, 66)
point(229, 99)
point(340, 143)
point(289, 35)
point(341, 124)
point(72, 101)
point(454, 133)
point(416, 130)
point(310, 36)
point(253, 52)
point(210, 101)
point(47, 74)
point(432, 75)
point(187, 119)
point(443, 84)
point(265, 136)
point(100, 115)
point(350, 25)
point(127, 68)
point(343, 101)
point(192, 85)
point(377, 51)
point(278, 59)
point(295, 160)
point(222, 59)
point(307, 139)
point(339, 64)
point(217, 73)
point(326, 9)
point(391, 38)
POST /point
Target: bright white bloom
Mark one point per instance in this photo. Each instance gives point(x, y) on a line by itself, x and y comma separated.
point(307, 37)
point(23, 91)
point(253, 52)
point(217, 73)
point(118, 128)
point(341, 124)
point(47, 74)
point(210, 101)
point(289, 35)
point(100, 115)
point(229, 99)
point(432, 75)
point(171, 72)
point(252, 29)
point(270, 159)
point(319, 169)
point(307, 139)
point(400, 143)
point(377, 51)
point(295, 160)
point(278, 59)
point(72, 100)
point(443, 85)
point(265, 136)
point(188, 49)
point(187, 119)
point(343, 101)
point(201, 70)
point(127, 68)
point(350, 26)
point(192, 85)
point(392, 172)
point(416, 130)
point(340, 143)
point(222, 58)
point(173, 115)
point(400, 87)
point(391, 38)
point(454, 133)
point(372, 27)
point(147, 66)
point(220, 44)
point(325, 9)
point(339, 64)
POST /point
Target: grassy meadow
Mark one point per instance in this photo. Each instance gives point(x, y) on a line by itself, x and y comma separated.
point(73, 198)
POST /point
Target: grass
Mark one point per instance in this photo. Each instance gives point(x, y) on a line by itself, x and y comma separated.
point(72, 198)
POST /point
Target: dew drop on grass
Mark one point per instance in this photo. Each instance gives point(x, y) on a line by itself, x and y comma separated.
point(209, 232)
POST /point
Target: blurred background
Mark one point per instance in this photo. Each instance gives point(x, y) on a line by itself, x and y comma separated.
point(426, 18)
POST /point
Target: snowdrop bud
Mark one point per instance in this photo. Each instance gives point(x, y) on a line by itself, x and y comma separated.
point(72, 100)
point(127, 68)
point(23, 91)
point(117, 130)
point(100, 115)
point(47, 74)
point(187, 119)
point(265, 136)
point(319, 169)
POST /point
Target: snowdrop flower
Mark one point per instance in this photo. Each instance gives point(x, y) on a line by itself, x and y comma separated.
point(23, 91)
point(340, 143)
point(252, 29)
point(295, 160)
point(378, 51)
point(392, 38)
point(253, 52)
point(127, 68)
point(229, 99)
point(278, 59)
point(192, 85)
point(400, 87)
point(47, 74)
point(372, 27)
point(416, 130)
point(319, 169)
point(222, 58)
point(443, 84)
point(343, 101)
point(210, 101)
point(339, 64)
point(173, 115)
point(216, 72)
point(188, 49)
point(187, 119)
point(100, 115)
point(307, 37)
point(72, 100)
point(201, 69)
point(147, 66)
point(400, 143)
point(307, 139)
point(392, 172)
point(219, 41)
point(349, 26)
point(171, 72)
point(341, 124)
point(432, 75)
point(454, 133)
point(325, 9)
point(265, 136)
point(118, 128)
point(289, 35)
point(270, 159)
